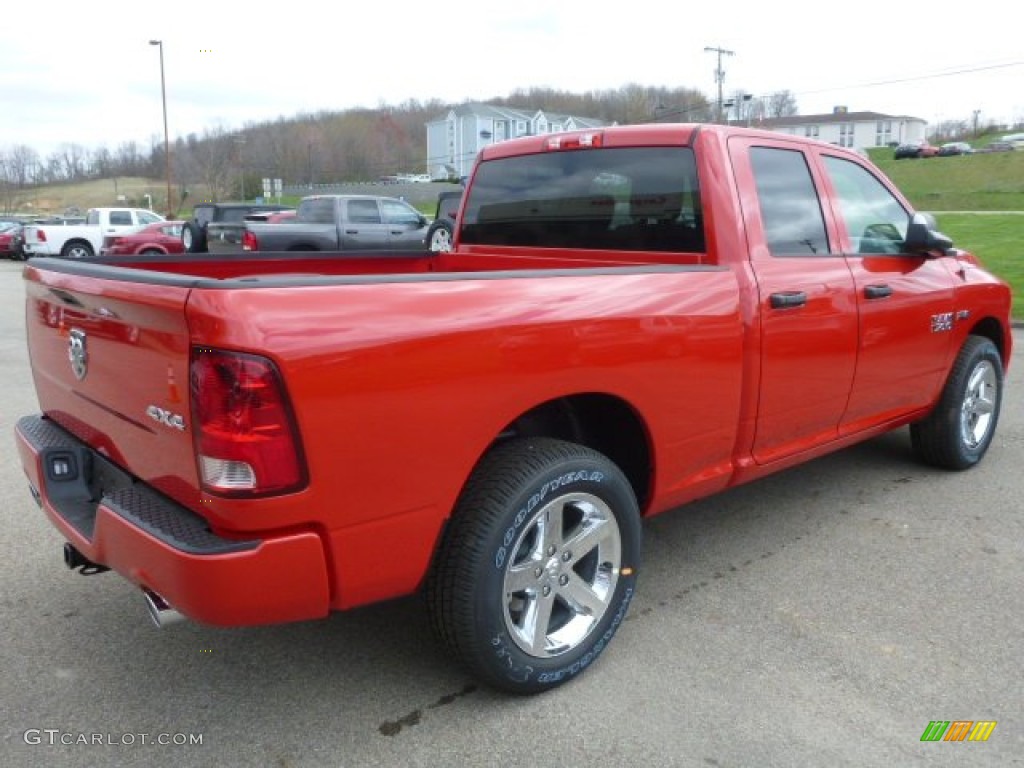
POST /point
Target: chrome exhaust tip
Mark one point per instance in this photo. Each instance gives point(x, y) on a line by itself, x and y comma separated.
point(160, 611)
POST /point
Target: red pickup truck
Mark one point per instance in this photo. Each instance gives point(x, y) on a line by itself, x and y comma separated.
point(630, 319)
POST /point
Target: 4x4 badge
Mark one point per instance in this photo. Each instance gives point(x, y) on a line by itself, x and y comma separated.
point(77, 353)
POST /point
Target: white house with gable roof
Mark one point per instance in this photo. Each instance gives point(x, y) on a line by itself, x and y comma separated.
point(454, 140)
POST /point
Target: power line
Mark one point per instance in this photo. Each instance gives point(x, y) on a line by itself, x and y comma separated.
point(915, 78)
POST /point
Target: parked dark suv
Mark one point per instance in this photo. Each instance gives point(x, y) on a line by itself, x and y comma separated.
point(442, 229)
point(219, 226)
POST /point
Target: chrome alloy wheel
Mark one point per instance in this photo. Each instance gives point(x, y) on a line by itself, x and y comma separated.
point(979, 404)
point(561, 576)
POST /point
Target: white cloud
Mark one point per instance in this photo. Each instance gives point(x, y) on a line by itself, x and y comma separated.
point(92, 78)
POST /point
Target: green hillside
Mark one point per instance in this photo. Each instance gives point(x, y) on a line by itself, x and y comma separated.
point(980, 182)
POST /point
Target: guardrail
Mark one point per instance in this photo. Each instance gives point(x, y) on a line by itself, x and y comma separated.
point(411, 192)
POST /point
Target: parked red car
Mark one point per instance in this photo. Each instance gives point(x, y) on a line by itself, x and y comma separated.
point(915, 149)
point(10, 240)
point(161, 237)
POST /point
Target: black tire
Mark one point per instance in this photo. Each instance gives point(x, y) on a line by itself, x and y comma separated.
point(193, 237)
point(151, 252)
point(958, 432)
point(77, 249)
point(523, 607)
point(439, 237)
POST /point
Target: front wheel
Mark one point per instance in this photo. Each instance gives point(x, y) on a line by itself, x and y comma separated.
point(958, 432)
point(538, 564)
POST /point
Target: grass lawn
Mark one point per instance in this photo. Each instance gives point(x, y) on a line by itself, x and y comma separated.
point(997, 240)
point(981, 182)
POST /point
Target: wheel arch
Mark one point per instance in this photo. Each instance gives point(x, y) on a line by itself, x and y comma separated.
point(76, 241)
point(995, 331)
point(606, 423)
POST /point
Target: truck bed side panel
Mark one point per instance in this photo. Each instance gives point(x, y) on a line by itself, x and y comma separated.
point(400, 387)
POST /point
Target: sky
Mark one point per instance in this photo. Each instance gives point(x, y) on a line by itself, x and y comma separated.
point(86, 74)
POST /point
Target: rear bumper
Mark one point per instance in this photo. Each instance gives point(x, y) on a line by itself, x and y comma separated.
point(158, 544)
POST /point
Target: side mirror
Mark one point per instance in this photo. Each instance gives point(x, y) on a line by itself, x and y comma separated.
point(923, 237)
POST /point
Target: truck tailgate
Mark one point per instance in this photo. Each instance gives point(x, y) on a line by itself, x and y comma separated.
point(110, 361)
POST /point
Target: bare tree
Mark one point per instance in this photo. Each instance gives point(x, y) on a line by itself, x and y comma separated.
point(781, 104)
point(214, 154)
point(22, 166)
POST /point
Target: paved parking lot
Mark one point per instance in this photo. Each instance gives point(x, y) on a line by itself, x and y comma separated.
point(822, 617)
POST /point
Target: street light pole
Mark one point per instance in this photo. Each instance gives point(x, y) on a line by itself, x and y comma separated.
point(167, 140)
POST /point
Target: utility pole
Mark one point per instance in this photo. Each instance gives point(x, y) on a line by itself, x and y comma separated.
point(719, 73)
point(976, 113)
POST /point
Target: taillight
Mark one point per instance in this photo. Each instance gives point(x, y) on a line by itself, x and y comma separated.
point(249, 241)
point(40, 236)
point(245, 436)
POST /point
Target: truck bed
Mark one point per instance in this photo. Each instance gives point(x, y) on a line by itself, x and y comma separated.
point(319, 267)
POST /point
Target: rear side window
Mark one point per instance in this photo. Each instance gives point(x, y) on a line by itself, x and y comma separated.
point(363, 212)
point(790, 209)
point(630, 198)
point(233, 215)
point(319, 210)
point(121, 218)
point(203, 214)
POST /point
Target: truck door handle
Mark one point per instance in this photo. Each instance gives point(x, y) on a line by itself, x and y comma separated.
point(351, 231)
point(788, 299)
point(877, 291)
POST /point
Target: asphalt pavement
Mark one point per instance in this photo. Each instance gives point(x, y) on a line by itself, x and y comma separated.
point(821, 617)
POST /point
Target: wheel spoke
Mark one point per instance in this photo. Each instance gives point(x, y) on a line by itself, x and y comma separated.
point(582, 598)
point(522, 576)
point(536, 622)
point(550, 528)
point(977, 383)
point(985, 404)
point(589, 536)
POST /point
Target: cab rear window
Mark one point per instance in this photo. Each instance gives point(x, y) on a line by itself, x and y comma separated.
point(629, 198)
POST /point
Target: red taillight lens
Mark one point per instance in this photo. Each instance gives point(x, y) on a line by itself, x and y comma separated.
point(246, 439)
point(40, 236)
point(249, 242)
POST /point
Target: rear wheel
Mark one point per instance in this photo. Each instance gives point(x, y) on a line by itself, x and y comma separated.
point(151, 252)
point(958, 432)
point(538, 564)
point(77, 250)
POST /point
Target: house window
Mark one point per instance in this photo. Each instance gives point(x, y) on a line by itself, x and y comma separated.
point(846, 135)
point(883, 133)
point(556, 128)
point(811, 131)
point(520, 127)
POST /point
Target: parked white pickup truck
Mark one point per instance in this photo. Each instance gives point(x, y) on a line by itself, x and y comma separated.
point(83, 241)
